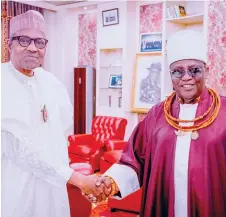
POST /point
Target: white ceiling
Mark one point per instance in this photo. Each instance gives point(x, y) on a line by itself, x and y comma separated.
point(66, 2)
point(59, 5)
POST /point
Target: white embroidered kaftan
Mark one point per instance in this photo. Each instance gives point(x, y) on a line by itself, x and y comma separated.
point(34, 153)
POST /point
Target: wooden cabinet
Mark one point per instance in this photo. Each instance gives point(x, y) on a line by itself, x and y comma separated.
point(84, 98)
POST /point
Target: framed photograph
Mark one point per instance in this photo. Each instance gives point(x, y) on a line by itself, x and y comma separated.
point(151, 42)
point(115, 81)
point(146, 90)
point(110, 17)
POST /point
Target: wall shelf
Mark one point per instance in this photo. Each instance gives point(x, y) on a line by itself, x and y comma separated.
point(111, 65)
point(193, 19)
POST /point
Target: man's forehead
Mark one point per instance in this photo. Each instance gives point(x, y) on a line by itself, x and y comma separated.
point(187, 63)
point(33, 33)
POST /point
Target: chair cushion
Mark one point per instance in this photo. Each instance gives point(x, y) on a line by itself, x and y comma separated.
point(113, 156)
point(83, 150)
point(131, 203)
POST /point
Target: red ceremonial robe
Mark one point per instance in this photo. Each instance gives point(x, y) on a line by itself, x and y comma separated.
point(151, 152)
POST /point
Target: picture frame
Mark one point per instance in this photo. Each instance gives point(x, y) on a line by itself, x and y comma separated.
point(146, 88)
point(151, 42)
point(110, 17)
point(115, 81)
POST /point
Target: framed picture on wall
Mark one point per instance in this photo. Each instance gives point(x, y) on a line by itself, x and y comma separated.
point(146, 90)
point(115, 81)
point(151, 42)
point(110, 17)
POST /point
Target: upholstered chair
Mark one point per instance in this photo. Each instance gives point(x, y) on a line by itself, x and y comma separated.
point(91, 147)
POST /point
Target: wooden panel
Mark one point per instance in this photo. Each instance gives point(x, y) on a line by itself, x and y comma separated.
point(94, 93)
point(80, 100)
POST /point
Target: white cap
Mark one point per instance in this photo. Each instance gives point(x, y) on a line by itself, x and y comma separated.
point(30, 19)
point(186, 44)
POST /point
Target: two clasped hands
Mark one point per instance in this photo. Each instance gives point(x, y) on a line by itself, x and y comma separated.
point(97, 188)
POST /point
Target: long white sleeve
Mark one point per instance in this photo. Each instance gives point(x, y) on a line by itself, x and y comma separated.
point(20, 153)
point(125, 178)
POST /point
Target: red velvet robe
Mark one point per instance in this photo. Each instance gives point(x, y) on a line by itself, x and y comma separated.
point(151, 152)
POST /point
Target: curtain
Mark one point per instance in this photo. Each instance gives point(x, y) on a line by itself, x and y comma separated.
point(10, 9)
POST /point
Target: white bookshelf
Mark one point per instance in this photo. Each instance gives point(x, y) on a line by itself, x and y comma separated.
point(110, 65)
point(188, 20)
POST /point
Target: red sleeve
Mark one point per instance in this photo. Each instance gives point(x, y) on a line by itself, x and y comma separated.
point(134, 151)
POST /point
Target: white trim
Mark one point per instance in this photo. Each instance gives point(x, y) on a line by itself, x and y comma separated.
point(87, 11)
point(49, 6)
point(205, 25)
point(82, 4)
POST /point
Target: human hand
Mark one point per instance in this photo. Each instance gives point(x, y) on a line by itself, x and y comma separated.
point(98, 187)
point(103, 183)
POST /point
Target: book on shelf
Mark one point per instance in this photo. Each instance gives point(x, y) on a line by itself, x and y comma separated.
point(176, 11)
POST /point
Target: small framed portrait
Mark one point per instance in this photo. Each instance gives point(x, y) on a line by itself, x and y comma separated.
point(151, 42)
point(146, 89)
point(110, 17)
point(115, 81)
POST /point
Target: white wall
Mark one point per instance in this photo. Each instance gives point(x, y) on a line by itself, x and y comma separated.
point(112, 36)
point(130, 53)
point(122, 35)
point(62, 51)
point(109, 37)
point(50, 58)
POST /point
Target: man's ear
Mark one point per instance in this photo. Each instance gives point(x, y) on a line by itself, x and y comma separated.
point(9, 43)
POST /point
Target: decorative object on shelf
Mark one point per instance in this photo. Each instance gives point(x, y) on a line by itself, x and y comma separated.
point(110, 77)
point(146, 89)
point(151, 42)
point(115, 81)
point(182, 11)
point(110, 17)
point(120, 102)
point(120, 99)
point(176, 11)
point(109, 100)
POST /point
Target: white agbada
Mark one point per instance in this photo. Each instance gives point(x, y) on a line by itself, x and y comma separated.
point(34, 154)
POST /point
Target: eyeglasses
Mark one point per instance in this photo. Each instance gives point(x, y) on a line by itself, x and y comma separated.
point(193, 72)
point(25, 41)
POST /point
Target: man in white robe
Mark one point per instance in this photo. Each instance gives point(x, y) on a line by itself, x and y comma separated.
point(36, 118)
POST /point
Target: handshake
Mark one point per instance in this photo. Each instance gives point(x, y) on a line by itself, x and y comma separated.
point(98, 188)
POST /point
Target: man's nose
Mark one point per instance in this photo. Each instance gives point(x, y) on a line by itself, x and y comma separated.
point(32, 47)
point(186, 76)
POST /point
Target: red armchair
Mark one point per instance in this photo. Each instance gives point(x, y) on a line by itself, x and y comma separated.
point(79, 205)
point(90, 147)
point(112, 155)
point(131, 203)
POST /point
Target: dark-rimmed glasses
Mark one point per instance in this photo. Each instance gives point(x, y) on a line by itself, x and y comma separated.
point(25, 41)
point(193, 72)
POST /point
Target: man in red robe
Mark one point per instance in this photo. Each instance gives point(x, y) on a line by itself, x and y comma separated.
point(180, 164)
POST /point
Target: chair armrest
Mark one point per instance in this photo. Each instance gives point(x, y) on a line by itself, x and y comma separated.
point(80, 139)
point(115, 145)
